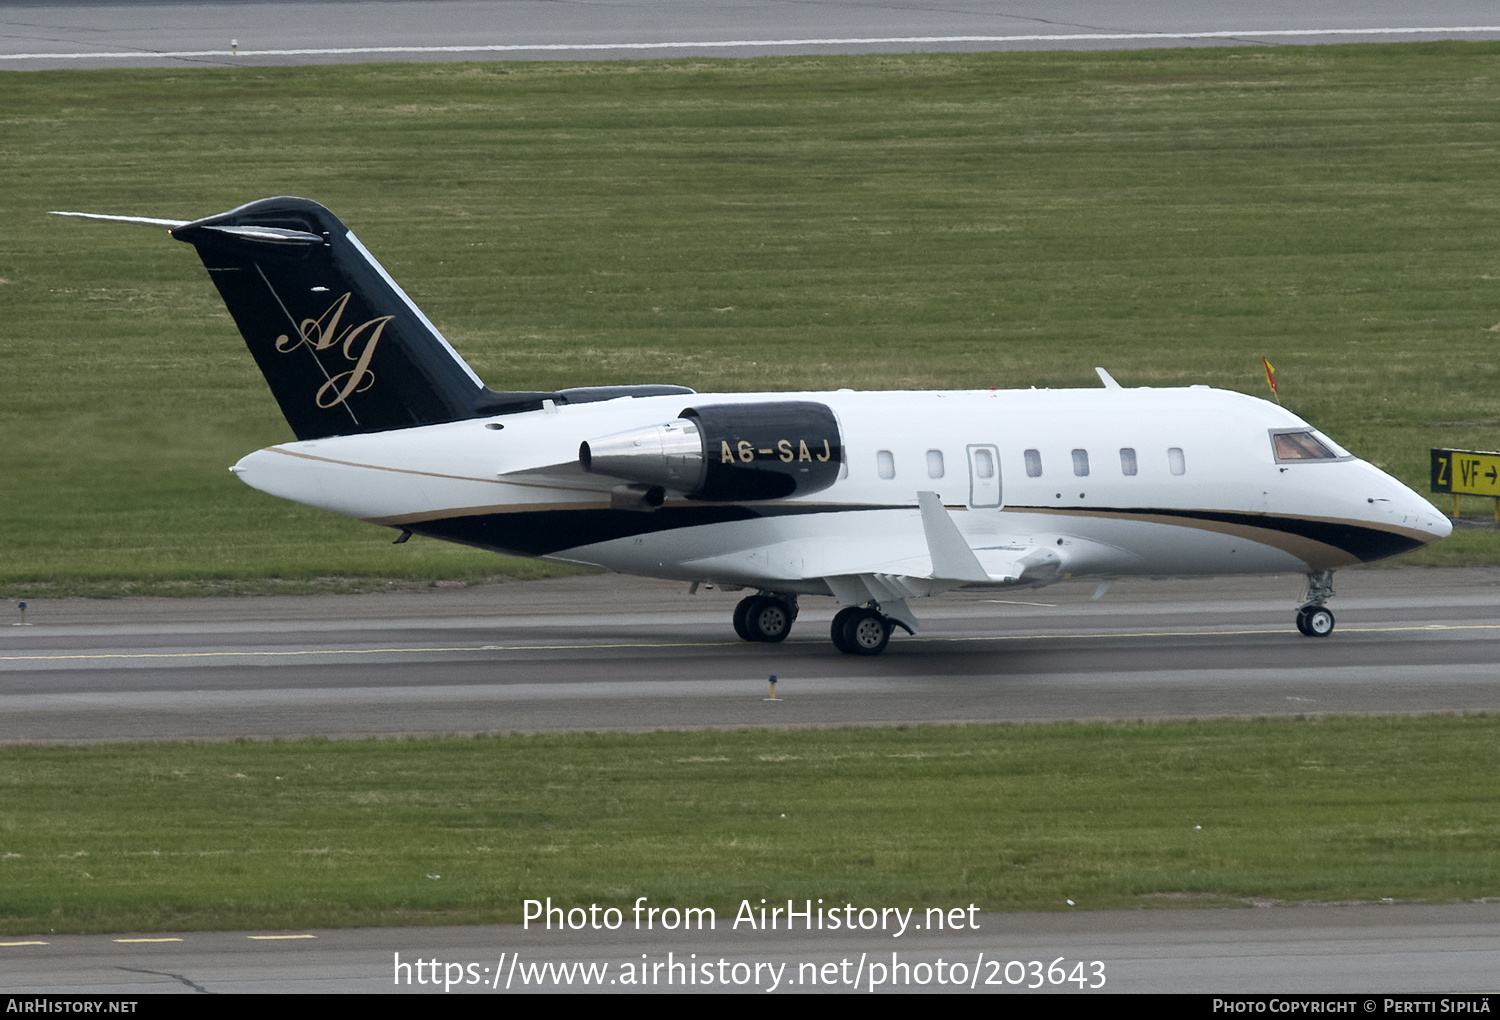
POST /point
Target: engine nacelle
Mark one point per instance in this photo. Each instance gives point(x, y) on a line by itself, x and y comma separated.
point(728, 452)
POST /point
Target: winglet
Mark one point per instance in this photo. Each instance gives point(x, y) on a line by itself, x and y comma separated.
point(952, 559)
point(1107, 379)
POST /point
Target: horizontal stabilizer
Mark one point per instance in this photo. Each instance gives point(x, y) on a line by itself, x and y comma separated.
point(151, 220)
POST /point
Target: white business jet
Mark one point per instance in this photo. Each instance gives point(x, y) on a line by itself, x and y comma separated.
point(875, 499)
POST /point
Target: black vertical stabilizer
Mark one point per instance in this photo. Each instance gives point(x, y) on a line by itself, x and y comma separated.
point(342, 347)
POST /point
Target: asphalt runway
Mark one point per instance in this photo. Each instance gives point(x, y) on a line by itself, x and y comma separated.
point(1360, 951)
point(607, 652)
point(40, 35)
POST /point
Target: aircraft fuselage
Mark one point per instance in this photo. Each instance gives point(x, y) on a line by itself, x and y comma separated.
point(1207, 495)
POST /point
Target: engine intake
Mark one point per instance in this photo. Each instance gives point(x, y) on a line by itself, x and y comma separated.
point(727, 452)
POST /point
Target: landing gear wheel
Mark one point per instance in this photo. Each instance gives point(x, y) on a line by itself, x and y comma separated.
point(768, 619)
point(840, 619)
point(741, 610)
point(866, 633)
point(1315, 621)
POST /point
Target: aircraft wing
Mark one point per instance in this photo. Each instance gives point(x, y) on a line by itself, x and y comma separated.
point(954, 560)
point(950, 563)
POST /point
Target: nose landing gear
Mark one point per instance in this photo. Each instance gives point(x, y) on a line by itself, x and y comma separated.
point(1314, 619)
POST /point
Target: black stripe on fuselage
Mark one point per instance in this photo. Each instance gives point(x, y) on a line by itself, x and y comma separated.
point(1361, 541)
point(543, 532)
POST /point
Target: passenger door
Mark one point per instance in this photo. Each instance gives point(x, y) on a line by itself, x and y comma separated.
point(984, 476)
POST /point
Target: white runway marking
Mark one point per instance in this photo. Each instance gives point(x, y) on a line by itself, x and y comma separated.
point(332, 51)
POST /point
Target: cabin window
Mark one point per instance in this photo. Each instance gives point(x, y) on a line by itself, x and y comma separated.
point(885, 463)
point(934, 463)
point(1175, 461)
point(1127, 461)
point(1033, 464)
point(984, 463)
point(1300, 446)
point(1080, 462)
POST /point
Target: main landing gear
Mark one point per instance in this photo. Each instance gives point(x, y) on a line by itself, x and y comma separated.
point(765, 617)
point(857, 630)
point(860, 630)
point(1314, 619)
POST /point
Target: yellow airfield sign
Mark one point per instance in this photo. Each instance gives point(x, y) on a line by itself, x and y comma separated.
point(1466, 472)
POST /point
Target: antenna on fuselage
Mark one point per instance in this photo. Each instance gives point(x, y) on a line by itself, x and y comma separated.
point(1107, 379)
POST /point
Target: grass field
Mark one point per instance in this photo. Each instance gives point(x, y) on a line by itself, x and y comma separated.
point(255, 835)
point(944, 220)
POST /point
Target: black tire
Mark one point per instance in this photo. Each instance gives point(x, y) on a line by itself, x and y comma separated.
point(867, 633)
point(1319, 622)
point(768, 619)
point(836, 632)
point(1302, 622)
point(742, 610)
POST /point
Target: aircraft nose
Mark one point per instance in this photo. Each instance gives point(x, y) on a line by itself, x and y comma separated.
point(1438, 525)
point(1388, 503)
point(1406, 509)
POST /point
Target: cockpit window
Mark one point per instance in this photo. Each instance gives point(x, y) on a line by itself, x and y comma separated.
point(1301, 446)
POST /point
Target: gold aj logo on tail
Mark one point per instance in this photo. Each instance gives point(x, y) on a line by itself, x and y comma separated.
point(356, 342)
